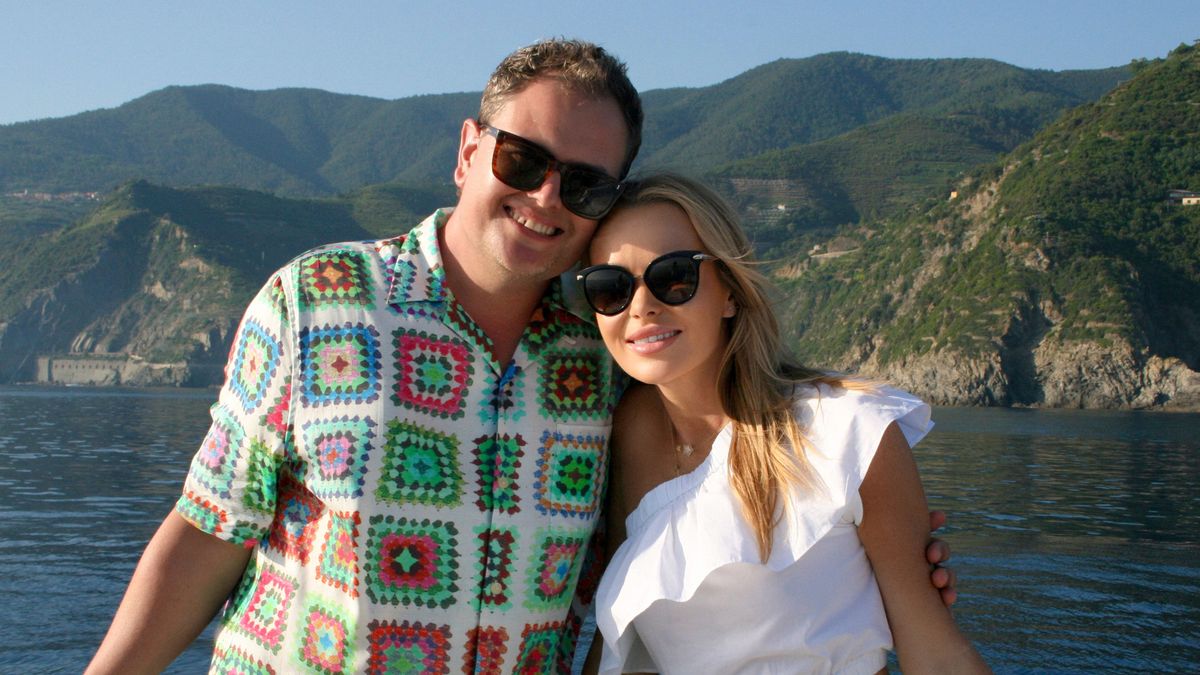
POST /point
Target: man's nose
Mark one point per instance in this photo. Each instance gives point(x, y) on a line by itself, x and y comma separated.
point(548, 193)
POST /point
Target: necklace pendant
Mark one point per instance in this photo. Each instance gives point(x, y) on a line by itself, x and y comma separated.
point(687, 450)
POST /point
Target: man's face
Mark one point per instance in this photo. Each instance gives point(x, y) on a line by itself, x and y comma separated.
point(502, 235)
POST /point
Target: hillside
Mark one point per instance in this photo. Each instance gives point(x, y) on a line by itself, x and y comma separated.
point(1056, 276)
point(297, 142)
point(303, 142)
point(1059, 276)
point(793, 102)
point(161, 275)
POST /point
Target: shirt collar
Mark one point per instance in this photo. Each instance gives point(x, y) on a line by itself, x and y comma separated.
point(414, 262)
point(417, 273)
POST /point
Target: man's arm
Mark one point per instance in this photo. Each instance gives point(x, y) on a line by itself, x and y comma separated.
point(180, 582)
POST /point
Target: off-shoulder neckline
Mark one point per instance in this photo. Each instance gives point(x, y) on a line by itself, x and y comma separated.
point(666, 492)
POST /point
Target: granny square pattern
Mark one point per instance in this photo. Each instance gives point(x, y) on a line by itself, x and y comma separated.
point(232, 661)
point(275, 418)
point(402, 275)
point(494, 566)
point(411, 562)
point(326, 643)
point(214, 466)
point(570, 473)
point(340, 447)
point(256, 355)
point(553, 569)
point(433, 374)
point(294, 530)
point(338, 565)
point(485, 650)
point(335, 277)
point(276, 300)
point(264, 617)
point(498, 460)
point(539, 647)
point(466, 328)
point(340, 364)
point(259, 492)
point(420, 466)
point(408, 647)
point(199, 511)
point(575, 385)
point(502, 398)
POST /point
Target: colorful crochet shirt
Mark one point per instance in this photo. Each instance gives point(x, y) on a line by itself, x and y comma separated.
point(413, 505)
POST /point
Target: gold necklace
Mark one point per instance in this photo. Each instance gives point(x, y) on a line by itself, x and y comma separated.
point(684, 450)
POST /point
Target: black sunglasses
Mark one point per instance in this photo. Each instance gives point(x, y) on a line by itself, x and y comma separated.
point(672, 277)
point(522, 164)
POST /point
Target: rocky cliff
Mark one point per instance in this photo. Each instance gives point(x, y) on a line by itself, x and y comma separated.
point(150, 287)
point(1061, 276)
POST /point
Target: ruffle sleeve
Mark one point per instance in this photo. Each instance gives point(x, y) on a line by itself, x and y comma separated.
point(686, 528)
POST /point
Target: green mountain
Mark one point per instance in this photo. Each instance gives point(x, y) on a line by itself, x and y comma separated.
point(298, 142)
point(793, 102)
point(1057, 275)
point(1061, 275)
point(302, 142)
point(159, 276)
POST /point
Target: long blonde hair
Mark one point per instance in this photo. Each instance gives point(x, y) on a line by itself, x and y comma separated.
point(757, 379)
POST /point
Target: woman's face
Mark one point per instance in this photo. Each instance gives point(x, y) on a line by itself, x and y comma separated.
point(655, 342)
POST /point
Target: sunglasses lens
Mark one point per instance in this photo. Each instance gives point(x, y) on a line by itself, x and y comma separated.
point(588, 193)
point(522, 165)
point(608, 290)
point(518, 165)
point(673, 280)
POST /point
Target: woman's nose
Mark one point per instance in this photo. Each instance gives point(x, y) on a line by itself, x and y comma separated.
point(643, 302)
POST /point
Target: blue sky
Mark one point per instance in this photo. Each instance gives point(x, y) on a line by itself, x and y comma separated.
point(59, 58)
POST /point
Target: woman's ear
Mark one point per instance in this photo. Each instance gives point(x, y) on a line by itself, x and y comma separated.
point(731, 307)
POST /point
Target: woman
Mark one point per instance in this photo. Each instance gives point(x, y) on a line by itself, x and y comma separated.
point(767, 514)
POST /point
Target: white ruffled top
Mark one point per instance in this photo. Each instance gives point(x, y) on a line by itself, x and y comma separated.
point(687, 593)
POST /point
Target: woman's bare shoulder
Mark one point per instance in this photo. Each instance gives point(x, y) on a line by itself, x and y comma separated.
point(639, 408)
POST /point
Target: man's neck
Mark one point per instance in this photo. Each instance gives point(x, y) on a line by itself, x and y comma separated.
point(502, 310)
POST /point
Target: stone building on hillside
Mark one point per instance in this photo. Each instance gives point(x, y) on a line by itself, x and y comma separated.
point(1184, 197)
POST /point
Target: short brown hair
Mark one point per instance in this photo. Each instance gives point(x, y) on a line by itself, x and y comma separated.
point(581, 65)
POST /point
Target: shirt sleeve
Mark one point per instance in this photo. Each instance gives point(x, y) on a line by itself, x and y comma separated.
point(230, 490)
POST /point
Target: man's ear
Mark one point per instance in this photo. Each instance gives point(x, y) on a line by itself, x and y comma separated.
point(468, 143)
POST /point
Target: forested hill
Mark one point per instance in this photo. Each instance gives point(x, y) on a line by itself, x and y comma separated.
point(795, 102)
point(303, 142)
point(1057, 274)
point(1062, 275)
point(158, 277)
point(298, 142)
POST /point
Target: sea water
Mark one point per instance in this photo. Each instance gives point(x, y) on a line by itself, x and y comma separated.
point(1076, 534)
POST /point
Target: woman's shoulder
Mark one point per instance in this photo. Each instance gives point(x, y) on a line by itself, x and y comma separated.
point(861, 405)
point(633, 416)
point(638, 424)
point(634, 402)
point(852, 395)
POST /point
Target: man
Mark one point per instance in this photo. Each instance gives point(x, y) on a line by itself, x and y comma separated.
point(406, 462)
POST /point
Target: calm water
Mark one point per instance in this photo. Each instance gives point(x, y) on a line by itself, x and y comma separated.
point(1076, 534)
